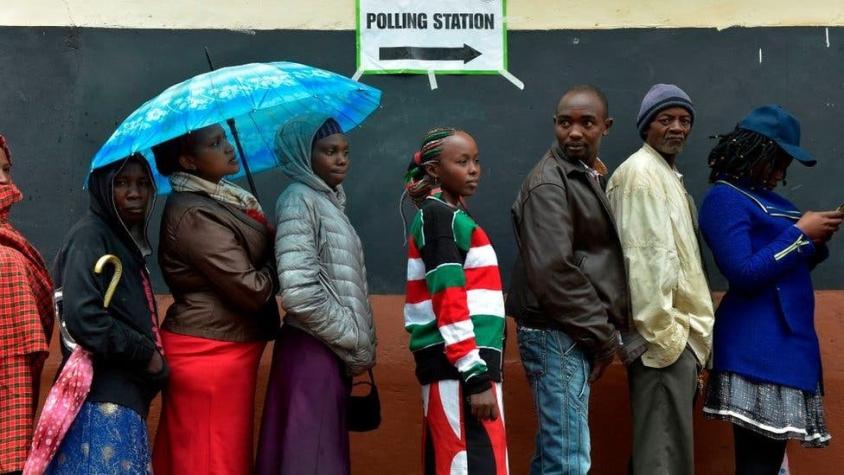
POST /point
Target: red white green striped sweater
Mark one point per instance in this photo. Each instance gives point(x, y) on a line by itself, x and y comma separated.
point(454, 308)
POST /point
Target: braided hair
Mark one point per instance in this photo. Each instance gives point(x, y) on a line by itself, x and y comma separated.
point(418, 184)
point(739, 155)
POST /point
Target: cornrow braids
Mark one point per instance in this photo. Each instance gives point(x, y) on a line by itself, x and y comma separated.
point(418, 185)
point(737, 155)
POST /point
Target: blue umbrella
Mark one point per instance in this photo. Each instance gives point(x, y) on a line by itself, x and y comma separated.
point(260, 97)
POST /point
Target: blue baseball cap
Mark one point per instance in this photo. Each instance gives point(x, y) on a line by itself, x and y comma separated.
point(779, 125)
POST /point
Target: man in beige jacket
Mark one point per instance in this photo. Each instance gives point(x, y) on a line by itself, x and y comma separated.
point(670, 298)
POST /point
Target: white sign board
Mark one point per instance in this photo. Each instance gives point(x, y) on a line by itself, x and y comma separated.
point(423, 36)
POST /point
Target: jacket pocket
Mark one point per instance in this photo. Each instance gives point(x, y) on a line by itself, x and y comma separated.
point(796, 303)
point(521, 302)
point(329, 287)
point(363, 338)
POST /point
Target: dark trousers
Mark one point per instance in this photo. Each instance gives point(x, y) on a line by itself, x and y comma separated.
point(662, 400)
point(757, 454)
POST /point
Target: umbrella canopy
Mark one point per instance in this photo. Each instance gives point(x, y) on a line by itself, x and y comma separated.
point(60, 410)
point(260, 97)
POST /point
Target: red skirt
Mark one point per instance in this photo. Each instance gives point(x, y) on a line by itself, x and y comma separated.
point(208, 407)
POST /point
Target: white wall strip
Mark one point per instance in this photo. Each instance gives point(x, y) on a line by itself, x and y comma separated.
point(250, 15)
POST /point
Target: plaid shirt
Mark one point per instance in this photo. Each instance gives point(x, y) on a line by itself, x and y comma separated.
point(26, 323)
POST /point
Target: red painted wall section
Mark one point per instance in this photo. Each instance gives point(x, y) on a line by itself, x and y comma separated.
point(395, 447)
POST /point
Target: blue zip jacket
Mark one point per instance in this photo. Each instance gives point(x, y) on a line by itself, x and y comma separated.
point(764, 326)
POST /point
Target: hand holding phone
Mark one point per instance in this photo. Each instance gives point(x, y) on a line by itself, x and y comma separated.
point(819, 226)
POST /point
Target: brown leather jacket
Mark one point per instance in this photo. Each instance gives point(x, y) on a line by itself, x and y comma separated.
point(569, 274)
point(219, 265)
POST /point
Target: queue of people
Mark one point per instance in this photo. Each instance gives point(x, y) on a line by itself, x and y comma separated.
point(608, 265)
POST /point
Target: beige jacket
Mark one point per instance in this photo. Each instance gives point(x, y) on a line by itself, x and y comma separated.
point(669, 293)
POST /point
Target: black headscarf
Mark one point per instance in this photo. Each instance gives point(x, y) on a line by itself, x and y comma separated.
point(101, 202)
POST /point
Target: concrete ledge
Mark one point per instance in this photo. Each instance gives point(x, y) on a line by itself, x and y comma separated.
point(395, 447)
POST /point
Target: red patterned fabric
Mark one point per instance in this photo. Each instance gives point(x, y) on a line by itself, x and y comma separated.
point(26, 323)
point(259, 216)
point(26, 291)
point(153, 312)
point(60, 410)
point(17, 410)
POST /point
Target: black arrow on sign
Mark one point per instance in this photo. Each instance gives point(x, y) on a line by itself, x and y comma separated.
point(465, 53)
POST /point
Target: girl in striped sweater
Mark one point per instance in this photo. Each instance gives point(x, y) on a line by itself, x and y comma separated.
point(454, 311)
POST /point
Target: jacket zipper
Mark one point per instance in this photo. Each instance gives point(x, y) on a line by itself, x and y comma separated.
point(795, 246)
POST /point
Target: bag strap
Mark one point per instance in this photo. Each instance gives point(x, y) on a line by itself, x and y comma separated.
point(371, 381)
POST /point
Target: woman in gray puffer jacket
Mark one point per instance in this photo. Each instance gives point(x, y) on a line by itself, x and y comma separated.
point(328, 334)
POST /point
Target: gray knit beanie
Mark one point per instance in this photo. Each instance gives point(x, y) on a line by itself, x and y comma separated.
point(661, 97)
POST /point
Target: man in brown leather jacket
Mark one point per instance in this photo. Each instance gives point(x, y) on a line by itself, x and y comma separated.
point(569, 288)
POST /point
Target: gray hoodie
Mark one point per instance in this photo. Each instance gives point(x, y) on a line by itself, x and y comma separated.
point(320, 260)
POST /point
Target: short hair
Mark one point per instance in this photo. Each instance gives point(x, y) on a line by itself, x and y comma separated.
point(167, 153)
point(588, 88)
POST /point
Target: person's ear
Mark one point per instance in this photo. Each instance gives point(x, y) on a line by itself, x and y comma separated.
point(432, 169)
point(607, 125)
point(186, 163)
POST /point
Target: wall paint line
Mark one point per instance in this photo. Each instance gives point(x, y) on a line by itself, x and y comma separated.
point(250, 15)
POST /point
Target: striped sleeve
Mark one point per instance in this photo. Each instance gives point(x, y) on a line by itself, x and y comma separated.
point(446, 235)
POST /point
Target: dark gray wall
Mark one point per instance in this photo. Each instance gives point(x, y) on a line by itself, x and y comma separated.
point(64, 90)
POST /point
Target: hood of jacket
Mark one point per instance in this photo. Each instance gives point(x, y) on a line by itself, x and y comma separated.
point(293, 145)
point(101, 194)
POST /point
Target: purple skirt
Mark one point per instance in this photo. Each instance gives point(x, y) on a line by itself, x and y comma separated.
point(303, 428)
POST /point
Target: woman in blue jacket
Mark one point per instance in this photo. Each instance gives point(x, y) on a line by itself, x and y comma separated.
point(766, 377)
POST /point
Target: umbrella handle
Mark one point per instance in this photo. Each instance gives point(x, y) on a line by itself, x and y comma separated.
point(236, 137)
point(243, 159)
point(115, 279)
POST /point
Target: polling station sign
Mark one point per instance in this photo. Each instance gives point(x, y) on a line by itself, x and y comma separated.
point(424, 36)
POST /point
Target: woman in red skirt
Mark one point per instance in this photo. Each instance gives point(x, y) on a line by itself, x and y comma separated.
point(216, 254)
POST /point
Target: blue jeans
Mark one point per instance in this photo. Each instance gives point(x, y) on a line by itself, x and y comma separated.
point(558, 373)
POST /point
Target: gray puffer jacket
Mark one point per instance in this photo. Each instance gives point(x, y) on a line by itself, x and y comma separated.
point(321, 267)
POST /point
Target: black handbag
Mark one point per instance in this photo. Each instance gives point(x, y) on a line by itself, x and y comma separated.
point(364, 412)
